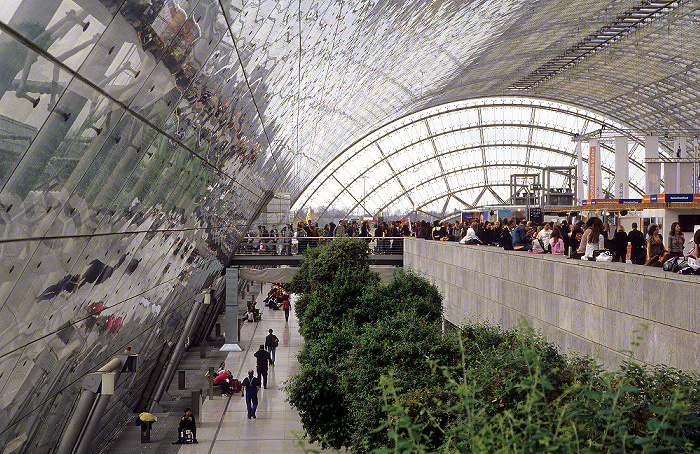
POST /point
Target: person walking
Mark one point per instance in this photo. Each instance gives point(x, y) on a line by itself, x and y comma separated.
point(250, 388)
point(263, 359)
point(271, 343)
point(286, 305)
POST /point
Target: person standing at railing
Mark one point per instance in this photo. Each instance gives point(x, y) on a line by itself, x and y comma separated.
point(620, 242)
point(287, 234)
point(341, 229)
point(378, 234)
point(636, 238)
point(274, 243)
point(300, 235)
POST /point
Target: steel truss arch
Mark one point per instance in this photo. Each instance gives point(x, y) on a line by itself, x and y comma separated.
point(467, 188)
point(458, 150)
point(543, 104)
point(559, 125)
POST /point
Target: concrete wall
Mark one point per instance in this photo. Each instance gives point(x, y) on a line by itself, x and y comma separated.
point(588, 307)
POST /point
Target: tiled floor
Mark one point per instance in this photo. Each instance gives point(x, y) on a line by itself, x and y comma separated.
point(223, 426)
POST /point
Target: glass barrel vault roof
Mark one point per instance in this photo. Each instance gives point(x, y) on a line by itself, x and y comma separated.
point(460, 156)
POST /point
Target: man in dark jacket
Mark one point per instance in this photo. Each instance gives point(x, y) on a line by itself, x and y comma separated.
point(263, 359)
point(271, 343)
point(638, 254)
point(620, 245)
point(520, 240)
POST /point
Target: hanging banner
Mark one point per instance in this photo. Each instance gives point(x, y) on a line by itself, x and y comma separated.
point(594, 177)
point(579, 172)
point(696, 168)
point(621, 168)
point(651, 158)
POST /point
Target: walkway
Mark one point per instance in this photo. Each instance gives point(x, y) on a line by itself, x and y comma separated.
point(224, 426)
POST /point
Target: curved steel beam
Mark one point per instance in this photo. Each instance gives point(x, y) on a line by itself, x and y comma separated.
point(386, 156)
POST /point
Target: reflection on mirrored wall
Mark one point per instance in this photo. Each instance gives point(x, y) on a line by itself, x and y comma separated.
point(128, 146)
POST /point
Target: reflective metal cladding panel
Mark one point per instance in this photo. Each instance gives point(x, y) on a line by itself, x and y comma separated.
point(130, 157)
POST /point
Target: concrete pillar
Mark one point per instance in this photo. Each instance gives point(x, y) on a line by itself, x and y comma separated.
point(595, 179)
point(579, 173)
point(696, 167)
point(231, 327)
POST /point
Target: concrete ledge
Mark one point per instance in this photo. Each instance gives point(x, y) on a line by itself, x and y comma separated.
point(591, 308)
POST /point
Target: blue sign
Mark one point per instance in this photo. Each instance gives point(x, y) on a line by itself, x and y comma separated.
point(505, 214)
point(679, 197)
point(653, 198)
point(630, 200)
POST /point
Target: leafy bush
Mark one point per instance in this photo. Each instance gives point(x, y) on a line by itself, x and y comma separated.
point(356, 330)
point(520, 395)
point(378, 375)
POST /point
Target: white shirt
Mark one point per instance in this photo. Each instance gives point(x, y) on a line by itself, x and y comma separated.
point(471, 235)
point(590, 247)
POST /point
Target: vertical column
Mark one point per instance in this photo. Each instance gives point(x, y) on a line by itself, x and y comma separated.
point(595, 189)
point(621, 168)
point(653, 171)
point(231, 327)
point(579, 173)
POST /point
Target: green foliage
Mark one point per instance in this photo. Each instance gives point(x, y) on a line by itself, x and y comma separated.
point(357, 330)
point(515, 393)
point(321, 265)
point(377, 375)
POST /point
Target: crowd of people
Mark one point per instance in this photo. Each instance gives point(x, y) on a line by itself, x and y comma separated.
point(278, 298)
point(585, 240)
point(582, 240)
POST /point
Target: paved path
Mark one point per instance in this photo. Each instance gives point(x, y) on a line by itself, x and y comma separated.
point(224, 427)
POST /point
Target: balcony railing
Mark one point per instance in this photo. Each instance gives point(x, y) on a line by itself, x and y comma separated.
point(267, 245)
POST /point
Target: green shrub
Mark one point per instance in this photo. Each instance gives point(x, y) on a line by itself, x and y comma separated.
point(515, 393)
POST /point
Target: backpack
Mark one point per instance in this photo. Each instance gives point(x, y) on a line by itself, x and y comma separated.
point(276, 342)
point(669, 264)
point(682, 266)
